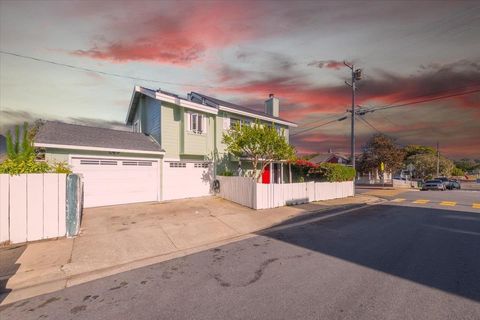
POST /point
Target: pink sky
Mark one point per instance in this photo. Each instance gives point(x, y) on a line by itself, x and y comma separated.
point(241, 51)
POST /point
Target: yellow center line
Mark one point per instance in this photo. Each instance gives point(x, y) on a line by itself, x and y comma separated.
point(476, 205)
point(398, 200)
point(448, 203)
point(421, 201)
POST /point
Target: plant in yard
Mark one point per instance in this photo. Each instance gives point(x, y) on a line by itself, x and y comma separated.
point(333, 172)
point(426, 165)
point(260, 143)
point(21, 156)
point(301, 169)
point(61, 167)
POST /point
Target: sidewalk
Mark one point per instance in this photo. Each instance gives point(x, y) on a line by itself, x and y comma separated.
point(120, 238)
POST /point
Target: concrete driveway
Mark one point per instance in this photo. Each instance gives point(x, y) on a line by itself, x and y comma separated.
point(115, 239)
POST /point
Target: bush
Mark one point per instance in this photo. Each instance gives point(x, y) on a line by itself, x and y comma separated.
point(61, 167)
point(226, 173)
point(333, 172)
point(24, 165)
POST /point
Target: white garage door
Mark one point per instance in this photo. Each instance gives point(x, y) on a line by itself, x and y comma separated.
point(186, 179)
point(109, 181)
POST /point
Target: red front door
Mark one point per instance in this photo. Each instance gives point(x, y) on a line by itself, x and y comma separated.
point(266, 175)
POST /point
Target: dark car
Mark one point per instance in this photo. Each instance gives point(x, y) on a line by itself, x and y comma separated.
point(434, 185)
point(454, 184)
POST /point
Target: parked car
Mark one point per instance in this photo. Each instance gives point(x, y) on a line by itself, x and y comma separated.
point(445, 181)
point(453, 184)
point(434, 185)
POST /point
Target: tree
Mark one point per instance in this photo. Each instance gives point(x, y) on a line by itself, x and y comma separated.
point(381, 148)
point(426, 165)
point(414, 149)
point(261, 143)
point(17, 149)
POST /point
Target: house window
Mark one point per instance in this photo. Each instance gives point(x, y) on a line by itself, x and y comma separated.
point(136, 126)
point(197, 123)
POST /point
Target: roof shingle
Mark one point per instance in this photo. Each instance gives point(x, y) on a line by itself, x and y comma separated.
point(60, 133)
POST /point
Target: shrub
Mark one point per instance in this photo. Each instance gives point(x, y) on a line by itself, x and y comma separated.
point(61, 167)
point(24, 165)
point(457, 172)
point(226, 173)
point(333, 172)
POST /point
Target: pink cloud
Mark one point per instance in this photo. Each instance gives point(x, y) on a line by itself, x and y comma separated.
point(177, 35)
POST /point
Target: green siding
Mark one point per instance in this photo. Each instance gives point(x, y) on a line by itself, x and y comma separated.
point(171, 124)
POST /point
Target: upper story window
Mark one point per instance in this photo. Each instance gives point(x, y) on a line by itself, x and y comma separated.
point(136, 126)
point(197, 123)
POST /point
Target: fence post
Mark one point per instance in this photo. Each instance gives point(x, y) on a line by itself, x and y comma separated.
point(74, 204)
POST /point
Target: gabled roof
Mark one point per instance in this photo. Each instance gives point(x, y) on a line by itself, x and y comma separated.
point(198, 102)
point(210, 101)
point(71, 136)
point(324, 157)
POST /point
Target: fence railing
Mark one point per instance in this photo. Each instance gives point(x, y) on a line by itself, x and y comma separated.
point(263, 196)
point(32, 207)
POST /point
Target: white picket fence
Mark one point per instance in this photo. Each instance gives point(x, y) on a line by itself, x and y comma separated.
point(32, 207)
point(263, 196)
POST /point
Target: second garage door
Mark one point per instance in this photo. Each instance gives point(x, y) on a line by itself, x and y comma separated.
point(186, 179)
point(109, 181)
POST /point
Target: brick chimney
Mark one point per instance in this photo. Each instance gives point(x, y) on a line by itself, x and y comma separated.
point(272, 105)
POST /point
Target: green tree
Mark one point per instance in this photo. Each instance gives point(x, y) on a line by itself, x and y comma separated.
point(457, 172)
point(426, 165)
point(19, 148)
point(414, 149)
point(381, 148)
point(260, 143)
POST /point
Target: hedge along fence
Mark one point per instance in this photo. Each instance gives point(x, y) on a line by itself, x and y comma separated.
point(304, 170)
point(35, 206)
point(264, 196)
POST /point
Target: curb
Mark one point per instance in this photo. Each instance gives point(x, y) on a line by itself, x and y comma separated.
point(79, 278)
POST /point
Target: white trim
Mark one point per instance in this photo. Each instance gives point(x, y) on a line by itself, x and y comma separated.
point(66, 146)
point(184, 103)
point(256, 116)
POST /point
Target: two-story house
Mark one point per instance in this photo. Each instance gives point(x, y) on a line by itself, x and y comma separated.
point(174, 149)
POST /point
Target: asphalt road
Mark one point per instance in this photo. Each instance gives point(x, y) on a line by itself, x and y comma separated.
point(397, 260)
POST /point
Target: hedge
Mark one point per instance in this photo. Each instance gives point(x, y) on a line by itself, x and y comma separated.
point(333, 172)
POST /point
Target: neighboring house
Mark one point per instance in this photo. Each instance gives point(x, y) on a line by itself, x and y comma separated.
point(173, 151)
point(330, 157)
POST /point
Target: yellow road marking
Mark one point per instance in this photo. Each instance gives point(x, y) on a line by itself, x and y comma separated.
point(476, 206)
point(398, 200)
point(448, 203)
point(421, 201)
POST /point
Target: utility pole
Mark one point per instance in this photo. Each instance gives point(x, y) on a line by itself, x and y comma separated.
point(438, 160)
point(356, 75)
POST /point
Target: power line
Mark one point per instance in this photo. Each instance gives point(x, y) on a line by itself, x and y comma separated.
point(103, 72)
point(318, 126)
point(369, 124)
point(424, 100)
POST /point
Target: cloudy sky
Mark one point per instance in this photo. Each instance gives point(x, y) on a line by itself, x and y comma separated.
point(241, 51)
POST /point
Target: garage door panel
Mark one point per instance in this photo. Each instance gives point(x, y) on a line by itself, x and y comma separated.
point(192, 180)
point(108, 184)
